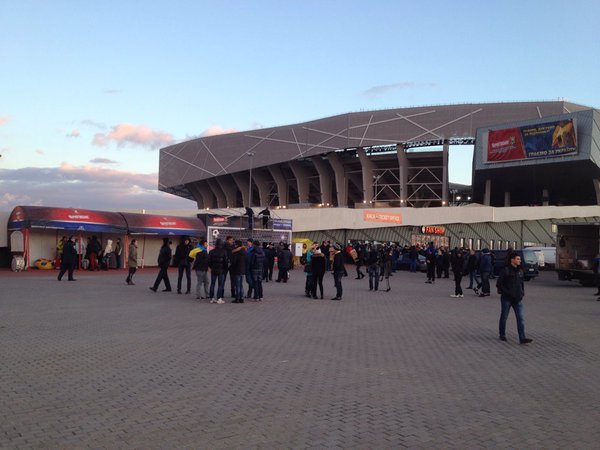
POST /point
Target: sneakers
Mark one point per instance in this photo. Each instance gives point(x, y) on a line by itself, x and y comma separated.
point(476, 291)
point(503, 338)
point(152, 289)
point(220, 301)
point(525, 341)
point(461, 295)
point(212, 300)
point(455, 296)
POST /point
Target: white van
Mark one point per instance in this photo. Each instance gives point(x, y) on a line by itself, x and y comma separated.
point(546, 256)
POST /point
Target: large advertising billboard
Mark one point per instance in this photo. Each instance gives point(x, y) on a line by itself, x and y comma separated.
point(543, 140)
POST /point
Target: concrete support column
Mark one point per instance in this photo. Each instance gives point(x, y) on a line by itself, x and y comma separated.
point(445, 183)
point(219, 195)
point(199, 196)
point(241, 180)
point(302, 182)
point(597, 189)
point(507, 198)
point(368, 171)
point(357, 180)
point(487, 195)
point(229, 188)
point(341, 184)
point(545, 197)
point(282, 188)
point(325, 174)
point(403, 173)
point(262, 183)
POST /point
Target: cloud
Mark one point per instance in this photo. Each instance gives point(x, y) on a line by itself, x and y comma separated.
point(134, 135)
point(39, 151)
point(103, 161)
point(93, 124)
point(376, 91)
point(75, 133)
point(112, 91)
point(214, 130)
point(85, 187)
point(4, 120)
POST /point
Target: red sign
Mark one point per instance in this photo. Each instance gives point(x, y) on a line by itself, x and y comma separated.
point(428, 229)
point(505, 145)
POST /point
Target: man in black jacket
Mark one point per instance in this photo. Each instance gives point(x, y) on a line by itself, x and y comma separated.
point(182, 260)
point(164, 259)
point(257, 262)
point(68, 260)
point(237, 270)
point(338, 270)
point(217, 261)
point(511, 288)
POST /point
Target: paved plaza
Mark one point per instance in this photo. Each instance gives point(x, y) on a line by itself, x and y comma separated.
point(99, 364)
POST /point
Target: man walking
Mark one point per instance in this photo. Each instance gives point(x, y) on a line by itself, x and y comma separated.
point(511, 287)
point(164, 260)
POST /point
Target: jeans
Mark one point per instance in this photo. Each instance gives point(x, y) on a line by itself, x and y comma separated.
point(239, 286)
point(184, 268)
point(337, 280)
point(317, 281)
point(202, 280)
point(519, 314)
point(457, 279)
point(373, 277)
point(485, 283)
point(257, 283)
point(250, 282)
point(220, 278)
point(413, 265)
point(472, 278)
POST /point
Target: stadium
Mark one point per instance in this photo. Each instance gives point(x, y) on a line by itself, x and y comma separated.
point(383, 175)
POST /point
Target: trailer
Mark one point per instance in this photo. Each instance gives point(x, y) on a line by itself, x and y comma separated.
point(577, 246)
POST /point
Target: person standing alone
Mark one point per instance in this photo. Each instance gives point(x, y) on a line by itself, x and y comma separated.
point(132, 261)
point(511, 288)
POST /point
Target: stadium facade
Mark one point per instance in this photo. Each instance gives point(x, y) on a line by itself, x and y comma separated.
point(387, 158)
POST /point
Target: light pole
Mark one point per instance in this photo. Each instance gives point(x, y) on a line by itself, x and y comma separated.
point(251, 155)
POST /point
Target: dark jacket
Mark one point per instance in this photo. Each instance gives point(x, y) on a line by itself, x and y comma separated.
point(284, 259)
point(182, 254)
point(373, 257)
point(164, 256)
point(338, 262)
point(238, 261)
point(201, 261)
point(69, 255)
point(510, 284)
point(318, 264)
point(94, 246)
point(217, 260)
point(485, 263)
point(459, 263)
point(257, 259)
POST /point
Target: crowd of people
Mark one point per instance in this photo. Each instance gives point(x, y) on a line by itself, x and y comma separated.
point(248, 264)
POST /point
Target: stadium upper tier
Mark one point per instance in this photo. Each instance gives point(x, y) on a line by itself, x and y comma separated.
point(367, 157)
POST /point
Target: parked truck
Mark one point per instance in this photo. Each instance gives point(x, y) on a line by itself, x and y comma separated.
point(577, 245)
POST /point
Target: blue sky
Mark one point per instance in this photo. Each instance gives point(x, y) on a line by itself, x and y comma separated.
point(89, 91)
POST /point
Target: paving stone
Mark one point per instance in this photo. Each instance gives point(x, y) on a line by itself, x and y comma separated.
point(99, 364)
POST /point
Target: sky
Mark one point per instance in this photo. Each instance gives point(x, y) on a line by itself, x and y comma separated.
point(91, 90)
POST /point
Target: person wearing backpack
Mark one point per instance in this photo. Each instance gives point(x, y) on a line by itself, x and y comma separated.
point(511, 287)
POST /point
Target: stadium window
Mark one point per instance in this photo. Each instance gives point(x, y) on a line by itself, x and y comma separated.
point(470, 243)
point(478, 244)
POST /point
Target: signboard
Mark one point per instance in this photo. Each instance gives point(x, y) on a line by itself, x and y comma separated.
point(428, 229)
point(378, 216)
point(543, 140)
point(282, 224)
point(274, 236)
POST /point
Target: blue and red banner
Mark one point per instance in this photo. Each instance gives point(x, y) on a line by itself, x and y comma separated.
point(68, 219)
point(543, 140)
